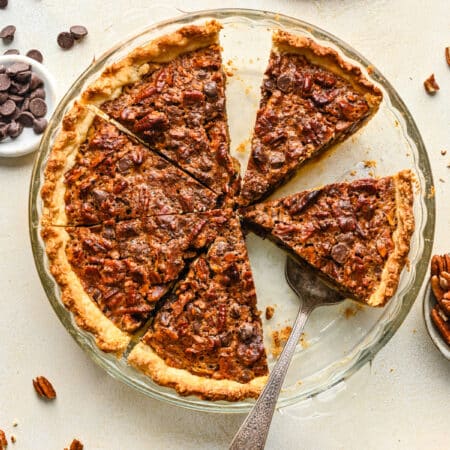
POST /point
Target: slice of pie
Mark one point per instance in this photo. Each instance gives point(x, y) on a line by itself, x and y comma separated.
point(112, 275)
point(101, 173)
point(311, 99)
point(171, 93)
point(207, 337)
point(355, 234)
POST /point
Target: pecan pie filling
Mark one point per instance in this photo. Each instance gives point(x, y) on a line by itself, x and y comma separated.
point(210, 324)
point(303, 110)
point(127, 266)
point(179, 110)
point(345, 230)
point(114, 177)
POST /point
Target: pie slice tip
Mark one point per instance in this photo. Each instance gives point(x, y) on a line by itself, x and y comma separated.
point(88, 316)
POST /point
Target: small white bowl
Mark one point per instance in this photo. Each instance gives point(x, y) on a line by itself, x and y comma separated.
point(28, 141)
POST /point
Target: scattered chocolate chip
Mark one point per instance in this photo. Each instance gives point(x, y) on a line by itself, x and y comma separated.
point(14, 129)
point(19, 88)
point(26, 119)
point(78, 32)
point(25, 104)
point(3, 4)
point(38, 107)
point(39, 125)
point(16, 98)
point(7, 108)
point(35, 82)
point(65, 40)
point(5, 82)
point(7, 34)
point(38, 93)
point(12, 51)
point(35, 54)
point(23, 77)
point(3, 97)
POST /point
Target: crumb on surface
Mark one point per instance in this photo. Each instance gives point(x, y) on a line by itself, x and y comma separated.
point(370, 163)
point(15, 423)
point(432, 192)
point(350, 312)
point(430, 84)
point(370, 69)
point(443, 152)
point(242, 147)
point(280, 338)
point(441, 180)
point(270, 311)
point(353, 173)
point(391, 370)
point(13, 438)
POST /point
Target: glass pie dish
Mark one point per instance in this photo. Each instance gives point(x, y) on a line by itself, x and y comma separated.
point(338, 339)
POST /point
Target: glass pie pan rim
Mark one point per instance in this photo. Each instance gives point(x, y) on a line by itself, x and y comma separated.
point(376, 338)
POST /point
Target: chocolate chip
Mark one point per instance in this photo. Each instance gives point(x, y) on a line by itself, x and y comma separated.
point(3, 131)
point(37, 93)
point(340, 253)
point(38, 107)
point(3, 97)
point(39, 125)
point(284, 82)
point(12, 51)
point(16, 98)
point(25, 104)
point(19, 88)
point(23, 77)
point(14, 129)
point(5, 82)
point(65, 40)
point(7, 34)
point(7, 108)
point(78, 32)
point(211, 89)
point(3, 4)
point(26, 119)
point(35, 54)
point(17, 67)
point(35, 82)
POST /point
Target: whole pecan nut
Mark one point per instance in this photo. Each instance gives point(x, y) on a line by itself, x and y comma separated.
point(44, 388)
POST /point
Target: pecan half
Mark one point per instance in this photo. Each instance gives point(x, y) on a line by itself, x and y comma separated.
point(44, 388)
point(430, 85)
point(3, 441)
point(75, 445)
point(442, 323)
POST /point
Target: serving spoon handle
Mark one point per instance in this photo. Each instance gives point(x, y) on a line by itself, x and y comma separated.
point(253, 432)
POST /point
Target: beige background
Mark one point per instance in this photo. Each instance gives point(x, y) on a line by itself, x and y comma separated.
point(399, 402)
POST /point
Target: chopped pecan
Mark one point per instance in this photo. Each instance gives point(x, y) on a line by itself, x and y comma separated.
point(431, 85)
point(75, 445)
point(447, 55)
point(270, 311)
point(3, 441)
point(44, 388)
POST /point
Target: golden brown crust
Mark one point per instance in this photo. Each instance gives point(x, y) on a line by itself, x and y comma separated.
point(401, 238)
point(329, 58)
point(88, 316)
point(145, 359)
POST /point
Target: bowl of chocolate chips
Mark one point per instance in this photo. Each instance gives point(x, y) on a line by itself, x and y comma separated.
point(27, 100)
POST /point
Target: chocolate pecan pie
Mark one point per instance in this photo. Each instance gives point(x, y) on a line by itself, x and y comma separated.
point(207, 337)
point(355, 234)
point(125, 267)
point(107, 175)
point(139, 202)
point(311, 99)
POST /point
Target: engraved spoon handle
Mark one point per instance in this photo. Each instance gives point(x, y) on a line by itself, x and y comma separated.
point(253, 432)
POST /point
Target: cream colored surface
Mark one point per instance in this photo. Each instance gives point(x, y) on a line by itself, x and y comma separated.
point(400, 402)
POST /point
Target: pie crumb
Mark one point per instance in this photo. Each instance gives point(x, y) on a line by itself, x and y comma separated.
point(370, 163)
point(270, 311)
point(350, 312)
point(431, 85)
point(280, 338)
point(15, 423)
point(443, 152)
point(13, 438)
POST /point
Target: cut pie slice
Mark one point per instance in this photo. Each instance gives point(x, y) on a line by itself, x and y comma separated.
point(356, 234)
point(207, 337)
point(311, 99)
point(171, 93)
point(121, 269)
point(100, 173)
